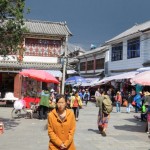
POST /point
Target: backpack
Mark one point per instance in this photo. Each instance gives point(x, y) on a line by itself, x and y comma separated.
point(107, 105)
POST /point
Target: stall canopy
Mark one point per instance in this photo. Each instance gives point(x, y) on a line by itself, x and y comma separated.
point(88, 82)
point(143, 69)
point(75, 80)
point(55, 73)
point(127, 75)
point(142, 78)
point(39, 75)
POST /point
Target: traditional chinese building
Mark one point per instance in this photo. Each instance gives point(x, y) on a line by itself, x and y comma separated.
point(43, 43)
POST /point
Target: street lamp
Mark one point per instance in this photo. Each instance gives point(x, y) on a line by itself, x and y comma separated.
point(64, 66)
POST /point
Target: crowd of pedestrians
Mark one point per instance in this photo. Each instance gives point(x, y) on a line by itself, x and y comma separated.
point(62, 111)
point(137, 100)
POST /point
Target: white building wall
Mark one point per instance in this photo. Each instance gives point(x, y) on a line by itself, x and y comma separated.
point(31, 59)
point(132, 63)
point(146, 47)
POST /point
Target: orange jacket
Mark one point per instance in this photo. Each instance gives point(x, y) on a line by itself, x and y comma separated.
point(61, 131)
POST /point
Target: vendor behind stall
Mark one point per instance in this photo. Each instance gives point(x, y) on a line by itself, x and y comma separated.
point(44, 104)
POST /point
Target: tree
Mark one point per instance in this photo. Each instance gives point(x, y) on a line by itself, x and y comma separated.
point(11, 26)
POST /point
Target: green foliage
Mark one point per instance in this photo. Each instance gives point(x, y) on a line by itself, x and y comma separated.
point(11, 26)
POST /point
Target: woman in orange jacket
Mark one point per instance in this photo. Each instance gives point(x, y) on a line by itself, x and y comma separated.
point(61, 126)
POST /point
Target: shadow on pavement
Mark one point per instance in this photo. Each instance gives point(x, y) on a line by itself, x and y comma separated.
point(131, 128)
point(93, 130)
point(137, 121)
point(9, 123)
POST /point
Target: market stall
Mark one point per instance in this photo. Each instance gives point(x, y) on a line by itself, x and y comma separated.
point(32, 84)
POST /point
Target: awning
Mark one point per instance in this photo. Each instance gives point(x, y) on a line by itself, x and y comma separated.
point(71, 71)
point(127, 75)
point(55, 73)
point(90, 80)
point(91, 75)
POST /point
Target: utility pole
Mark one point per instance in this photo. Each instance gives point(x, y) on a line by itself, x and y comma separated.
point(64, 65)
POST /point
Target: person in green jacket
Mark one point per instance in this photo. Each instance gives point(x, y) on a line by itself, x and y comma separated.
point(44, 104)
point(103, 117)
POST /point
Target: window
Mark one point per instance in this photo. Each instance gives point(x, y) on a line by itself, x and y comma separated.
point(82, 66)
point(133, 48)
point(117, 51)
point(100, 63)
point(90, 65)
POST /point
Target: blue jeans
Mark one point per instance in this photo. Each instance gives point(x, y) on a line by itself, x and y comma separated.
point(118, 106)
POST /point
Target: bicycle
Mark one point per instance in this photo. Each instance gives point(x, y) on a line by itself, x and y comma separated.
point(17, 113)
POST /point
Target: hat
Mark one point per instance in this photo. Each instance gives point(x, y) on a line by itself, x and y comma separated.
point(146, 93)
point(52, 90)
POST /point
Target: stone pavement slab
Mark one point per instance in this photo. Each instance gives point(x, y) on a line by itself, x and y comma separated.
point(124, 132)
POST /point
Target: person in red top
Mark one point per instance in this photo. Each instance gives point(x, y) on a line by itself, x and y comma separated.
point(118, 99)
point(75, 104)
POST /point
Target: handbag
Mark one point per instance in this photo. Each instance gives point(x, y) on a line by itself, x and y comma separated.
point(133, 103)
point(125, 103)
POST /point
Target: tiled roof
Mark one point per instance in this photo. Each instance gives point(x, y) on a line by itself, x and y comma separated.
point(135, 29)
point(72, 48)
point(99, 49)
point(73, 60)
point(45, 27)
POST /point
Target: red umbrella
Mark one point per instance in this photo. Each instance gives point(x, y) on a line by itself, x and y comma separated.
point(39, 75)
point(142, 78)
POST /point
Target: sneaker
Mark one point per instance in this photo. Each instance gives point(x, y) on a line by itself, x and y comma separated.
point(77, 119)
point(104, 132)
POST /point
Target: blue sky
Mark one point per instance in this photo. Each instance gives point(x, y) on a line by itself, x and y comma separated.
point(91, 21)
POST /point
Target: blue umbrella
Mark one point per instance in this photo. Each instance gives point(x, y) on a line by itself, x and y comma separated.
point(75, 80)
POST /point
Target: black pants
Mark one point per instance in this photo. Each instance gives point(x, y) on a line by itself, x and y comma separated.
point(43, 110)
point(76, 111)
point(86, 102)
point(143, 117)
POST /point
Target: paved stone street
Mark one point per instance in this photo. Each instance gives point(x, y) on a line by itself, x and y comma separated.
point(124, 132)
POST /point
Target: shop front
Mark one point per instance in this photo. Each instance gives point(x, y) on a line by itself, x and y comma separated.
point(6, 82)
